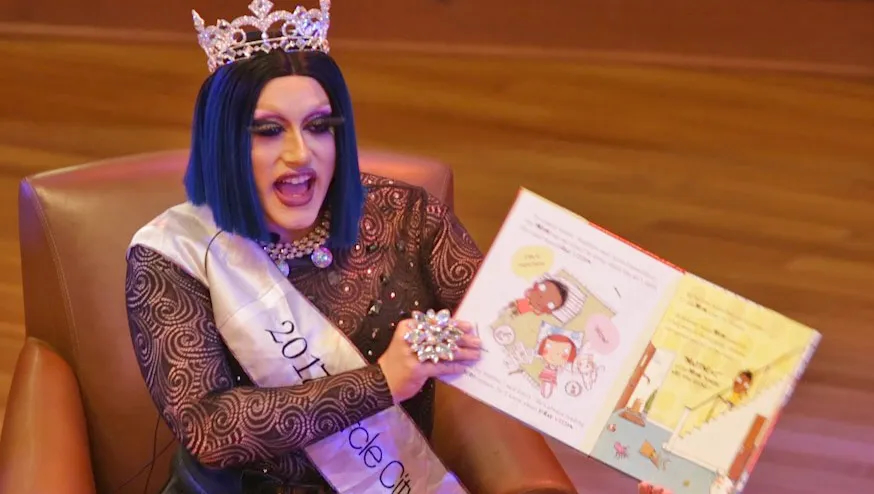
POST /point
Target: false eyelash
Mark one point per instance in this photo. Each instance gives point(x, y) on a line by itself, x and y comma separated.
point(329, 121)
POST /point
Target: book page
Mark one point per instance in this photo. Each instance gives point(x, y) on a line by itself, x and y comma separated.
point(561, 307)
point(706, 393)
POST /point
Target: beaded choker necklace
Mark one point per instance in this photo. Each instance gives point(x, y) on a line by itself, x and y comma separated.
point(313, 245)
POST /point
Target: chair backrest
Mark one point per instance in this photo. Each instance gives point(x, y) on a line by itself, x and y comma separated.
point(75, 225)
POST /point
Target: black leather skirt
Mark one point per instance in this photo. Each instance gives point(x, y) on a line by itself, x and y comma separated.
point(188, 476)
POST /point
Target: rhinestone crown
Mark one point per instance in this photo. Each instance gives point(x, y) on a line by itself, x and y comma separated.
point(303, 29)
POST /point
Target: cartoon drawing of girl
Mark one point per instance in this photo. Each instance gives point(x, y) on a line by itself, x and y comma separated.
point(557, 348)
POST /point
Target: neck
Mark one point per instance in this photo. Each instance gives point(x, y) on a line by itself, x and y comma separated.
point(286, 236)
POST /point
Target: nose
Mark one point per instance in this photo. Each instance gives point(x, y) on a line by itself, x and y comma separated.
point(295, 151)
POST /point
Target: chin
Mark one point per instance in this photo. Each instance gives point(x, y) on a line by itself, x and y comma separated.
point(294, 218)
point(296, 224)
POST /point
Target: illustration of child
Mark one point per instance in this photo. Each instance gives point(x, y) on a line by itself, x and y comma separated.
point(556, 350)
point(740, 388)
point(543, 297)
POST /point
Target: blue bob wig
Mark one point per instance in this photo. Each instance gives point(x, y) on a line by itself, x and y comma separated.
point(220, 173)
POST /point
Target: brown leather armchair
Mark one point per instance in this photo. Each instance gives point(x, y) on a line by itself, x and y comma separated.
point(79, 419)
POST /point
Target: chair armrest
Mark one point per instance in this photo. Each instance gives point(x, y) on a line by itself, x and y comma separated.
point(44, 444)
point(492, 452)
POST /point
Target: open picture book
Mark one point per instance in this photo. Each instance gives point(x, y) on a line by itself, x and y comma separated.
point(625, 357)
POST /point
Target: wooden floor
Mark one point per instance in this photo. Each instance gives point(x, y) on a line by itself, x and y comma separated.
point(763, 183)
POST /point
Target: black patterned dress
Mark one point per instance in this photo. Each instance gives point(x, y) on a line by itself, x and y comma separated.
point(412, 254)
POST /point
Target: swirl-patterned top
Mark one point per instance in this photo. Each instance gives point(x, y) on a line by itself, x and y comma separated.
point(412, 254)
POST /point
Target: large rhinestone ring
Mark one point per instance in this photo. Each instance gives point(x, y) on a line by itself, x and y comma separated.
point(433, 335)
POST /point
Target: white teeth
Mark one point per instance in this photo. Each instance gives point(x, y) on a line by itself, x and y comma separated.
point(296, 180)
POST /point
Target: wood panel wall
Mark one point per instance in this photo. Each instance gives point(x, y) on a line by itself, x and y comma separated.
point(833, 32)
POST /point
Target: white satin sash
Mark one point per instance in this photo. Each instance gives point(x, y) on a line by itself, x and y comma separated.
point(280, 339)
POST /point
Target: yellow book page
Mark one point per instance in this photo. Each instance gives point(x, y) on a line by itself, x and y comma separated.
point(702, 399)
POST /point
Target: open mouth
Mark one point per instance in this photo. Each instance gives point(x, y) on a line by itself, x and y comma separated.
point(295, 189)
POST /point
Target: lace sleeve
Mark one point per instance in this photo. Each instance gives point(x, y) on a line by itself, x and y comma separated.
point(181, 357)
point(451, 258)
